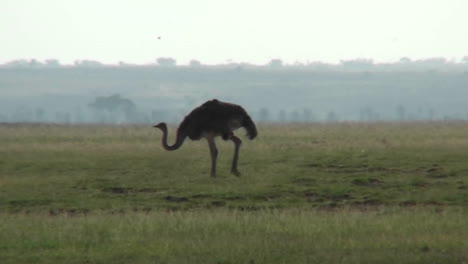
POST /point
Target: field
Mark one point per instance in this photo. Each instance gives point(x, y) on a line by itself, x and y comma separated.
point(315, 193)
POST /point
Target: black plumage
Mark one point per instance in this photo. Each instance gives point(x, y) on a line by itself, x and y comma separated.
point(211, 119)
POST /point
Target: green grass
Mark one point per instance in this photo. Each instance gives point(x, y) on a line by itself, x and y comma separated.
point(220, 236)
point(319, 193)
point(297, 166)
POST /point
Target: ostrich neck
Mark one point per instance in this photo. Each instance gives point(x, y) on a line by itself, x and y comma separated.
point(179, 140)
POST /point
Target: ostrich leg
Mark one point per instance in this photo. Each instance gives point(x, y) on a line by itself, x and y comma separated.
point(214, 155)
point(237, 143)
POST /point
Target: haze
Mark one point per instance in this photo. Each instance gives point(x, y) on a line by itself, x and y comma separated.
point(147, 61)
point(213, 32)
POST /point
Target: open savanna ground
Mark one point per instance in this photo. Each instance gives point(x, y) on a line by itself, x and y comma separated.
point(347, 192)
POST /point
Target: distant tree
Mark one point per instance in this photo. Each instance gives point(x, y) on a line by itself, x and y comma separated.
point(401, 113)
point(126, 64)
point(35, 63)
point(465, 60)
point(195, 63)
point(275, 63)
point(317, 65)
point(22, 63)
point(307, 115)
point(368, 114)
point(264, 114)
point(435, 61)
point(52, 63)
point(22, 114)
point(405, 60)
point(78, 115)
point(166, 62)
point(62, 117)
point(295, 117)
point(87, 63)
point(39, 114)
point(431, 113)
point(332, 116)
point(282, 116)
point(17, 64)
point(115, 106)
point(358, 64)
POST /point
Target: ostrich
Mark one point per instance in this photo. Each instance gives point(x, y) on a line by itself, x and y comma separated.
point(211, 119)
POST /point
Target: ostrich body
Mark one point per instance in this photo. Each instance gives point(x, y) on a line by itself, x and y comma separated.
point(211, 119)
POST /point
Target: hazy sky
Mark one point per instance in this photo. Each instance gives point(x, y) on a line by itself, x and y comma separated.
point(214, 31)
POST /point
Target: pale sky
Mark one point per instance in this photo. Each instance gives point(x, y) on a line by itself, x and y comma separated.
point(216, 31)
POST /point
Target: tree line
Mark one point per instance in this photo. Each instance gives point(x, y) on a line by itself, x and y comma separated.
point(92, 92)
point(357, 64)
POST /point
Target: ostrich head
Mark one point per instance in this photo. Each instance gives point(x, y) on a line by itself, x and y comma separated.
point(161, 126)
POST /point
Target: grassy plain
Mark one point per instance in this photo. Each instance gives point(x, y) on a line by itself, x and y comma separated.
point(323, 193)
